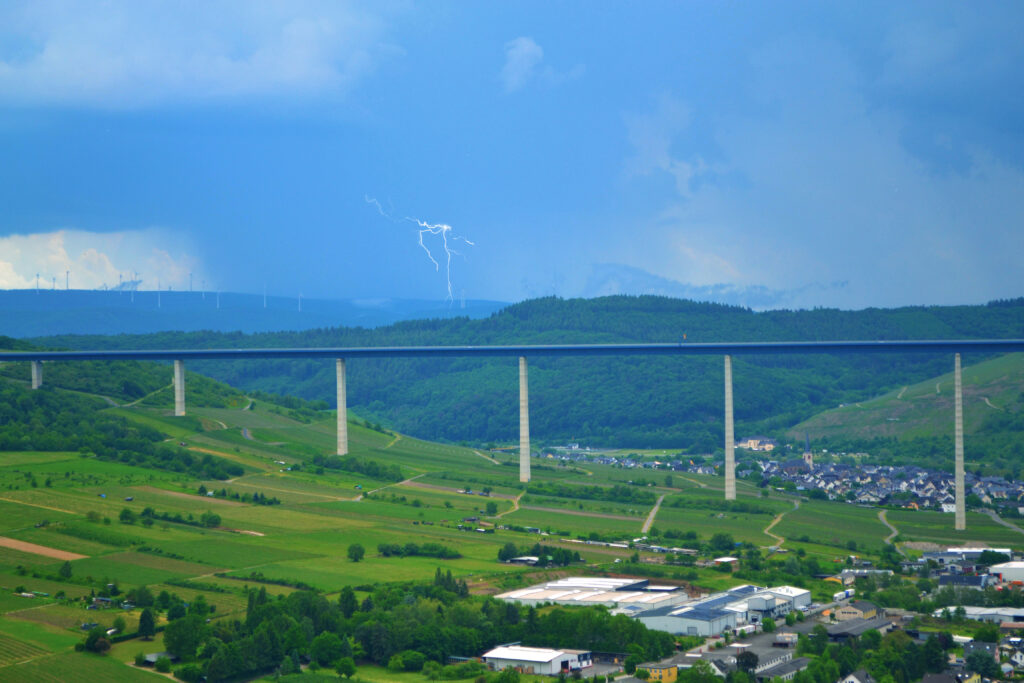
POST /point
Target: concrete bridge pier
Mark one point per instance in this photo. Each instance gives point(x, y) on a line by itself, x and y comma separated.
point(179, 388)
point(730, 438)
point(958, 441)
point(524, 423)
point(342, 408)
point(37, 373)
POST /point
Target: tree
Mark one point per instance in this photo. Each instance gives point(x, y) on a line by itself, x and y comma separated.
point(492, 507)
point(96, 640)
point(642, 674)
point(182, 636)
point(346, 667)
point(65, 570)
point(127, 516)
point(507, 552)
point(508, 675)
point(210, 519)
point(347, 602)
point(746, 660)
point(119, 624)
point(356, 552)
point(326, 648)
point(768, 625)
point(147, 624)
point(981, 662)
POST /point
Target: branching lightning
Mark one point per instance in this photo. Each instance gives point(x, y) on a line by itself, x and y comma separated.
point(448, 238)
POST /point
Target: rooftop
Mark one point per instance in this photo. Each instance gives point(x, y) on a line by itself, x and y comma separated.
point(526, 654)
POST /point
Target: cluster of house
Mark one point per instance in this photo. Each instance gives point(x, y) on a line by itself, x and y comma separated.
point(906, 485)
point(962, 568)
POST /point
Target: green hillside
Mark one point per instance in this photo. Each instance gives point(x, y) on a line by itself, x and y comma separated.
point(614, 401)
point(916, 421)
point(242, 500)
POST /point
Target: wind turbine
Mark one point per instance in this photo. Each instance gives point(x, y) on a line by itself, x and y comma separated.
point(67, 280)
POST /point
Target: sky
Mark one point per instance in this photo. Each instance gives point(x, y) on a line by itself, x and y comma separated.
point(769, 154)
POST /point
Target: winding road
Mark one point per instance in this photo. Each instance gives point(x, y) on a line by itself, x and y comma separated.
point(999, 520)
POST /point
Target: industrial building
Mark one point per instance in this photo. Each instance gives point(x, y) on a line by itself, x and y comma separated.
point(722, 612)
point(586, 590)
point(1009, 571)
point(537, 660)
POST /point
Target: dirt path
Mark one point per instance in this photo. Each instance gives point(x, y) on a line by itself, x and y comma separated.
point(937, 390)
point(699, 484)
point(895, 532)
point(246, 434)
point(902, 391)
point(776, 520)
point(26, 547)
point(405, 482)
point(398, 437)
point(487, 457)
point(999, 520)
point(140, 400)
point(989, 403)
point(650, 517)
point(515, 505)
point(37, 505)
point(230, 456)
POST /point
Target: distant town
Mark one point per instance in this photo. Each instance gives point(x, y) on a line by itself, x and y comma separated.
point(907, 486)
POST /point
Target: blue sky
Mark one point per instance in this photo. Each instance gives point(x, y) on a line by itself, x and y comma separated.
point(771, 154)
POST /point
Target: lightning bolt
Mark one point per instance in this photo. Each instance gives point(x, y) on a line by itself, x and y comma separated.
point(448, 238)
point(445, 231)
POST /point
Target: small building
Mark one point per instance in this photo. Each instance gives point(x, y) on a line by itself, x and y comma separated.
point(785, 671)
point(537, 660)
point(150, 659)
point(859, 609)
point(858, 676)
point(854, 628)
point(666, 672)
point(973, 581)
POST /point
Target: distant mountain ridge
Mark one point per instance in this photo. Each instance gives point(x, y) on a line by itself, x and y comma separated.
point(636, 402)
point(28, 313)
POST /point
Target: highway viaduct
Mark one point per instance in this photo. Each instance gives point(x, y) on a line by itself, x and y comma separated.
point(523, 352)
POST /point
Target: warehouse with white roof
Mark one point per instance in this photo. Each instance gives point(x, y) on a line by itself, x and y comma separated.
point(1009, 571)
point(588, 590)
point(537, 660)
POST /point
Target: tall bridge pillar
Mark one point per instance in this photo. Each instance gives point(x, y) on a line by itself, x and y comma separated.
point(179, 388)
point(958, 431)
point(37, 373)
point(730, 438)
point(342, 408)
point(524, 423)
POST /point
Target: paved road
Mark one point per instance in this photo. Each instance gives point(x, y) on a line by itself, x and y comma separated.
point(999, 520)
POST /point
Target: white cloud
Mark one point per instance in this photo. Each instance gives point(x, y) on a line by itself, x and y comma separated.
point(524, 64)
point(652, 135)
point(96, 260)
point(821, 188)
point(130, 54)
point(522, 57)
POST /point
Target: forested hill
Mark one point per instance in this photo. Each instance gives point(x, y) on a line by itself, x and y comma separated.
point(609, 401)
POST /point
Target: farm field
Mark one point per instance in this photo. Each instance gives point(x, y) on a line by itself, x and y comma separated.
point(123, 526)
